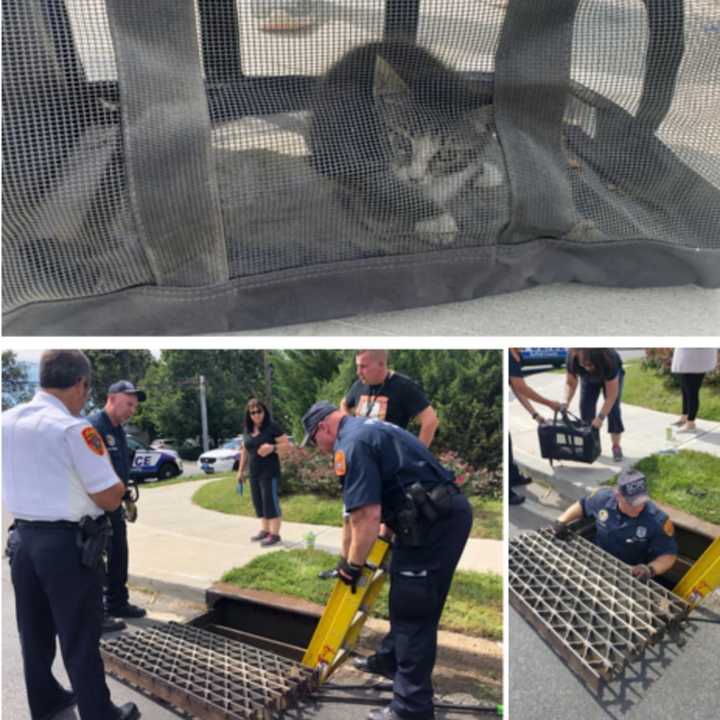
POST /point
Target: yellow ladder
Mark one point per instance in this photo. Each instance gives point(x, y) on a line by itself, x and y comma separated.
point(702, 578)
point(345, 614)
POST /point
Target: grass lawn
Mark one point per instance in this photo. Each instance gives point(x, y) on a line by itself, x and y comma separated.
point(474, 606)
point(645, 389)
point(689, 481)
point(488, 521)
point(221, 496)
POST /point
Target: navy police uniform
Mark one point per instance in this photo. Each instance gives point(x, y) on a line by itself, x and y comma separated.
point(116, 591)
point(51, 461)
point(635, 541)
point(377, 462)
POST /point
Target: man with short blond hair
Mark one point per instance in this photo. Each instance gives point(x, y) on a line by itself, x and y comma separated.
point(384, 394)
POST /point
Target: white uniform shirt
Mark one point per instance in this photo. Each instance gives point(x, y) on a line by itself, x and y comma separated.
point(694, 360)
point(51, 460)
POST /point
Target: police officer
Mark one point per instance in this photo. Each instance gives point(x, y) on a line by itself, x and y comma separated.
point(384, 394)
point(57, 483)
point(628, 525)
point(388, 475)
point(122, 401)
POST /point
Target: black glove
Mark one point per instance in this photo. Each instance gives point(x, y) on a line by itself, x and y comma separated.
point(333, 572)
point(349, 573)
point(561, 530)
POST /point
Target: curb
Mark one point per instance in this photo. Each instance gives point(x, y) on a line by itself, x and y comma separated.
point(162, 587)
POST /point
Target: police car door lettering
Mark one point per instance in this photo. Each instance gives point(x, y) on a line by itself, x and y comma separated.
point(146, 459)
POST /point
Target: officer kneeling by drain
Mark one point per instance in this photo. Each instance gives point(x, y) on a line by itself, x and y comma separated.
point(628, 525)
point(58, 483)
point(389, 476)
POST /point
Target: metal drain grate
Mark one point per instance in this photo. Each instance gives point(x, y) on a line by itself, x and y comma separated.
point(587, 604)
point(207, 675)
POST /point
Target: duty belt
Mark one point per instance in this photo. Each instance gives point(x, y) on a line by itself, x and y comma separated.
point(47, 524)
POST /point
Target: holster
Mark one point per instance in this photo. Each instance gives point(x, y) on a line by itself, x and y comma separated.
point(422, 509)
point(94, 540)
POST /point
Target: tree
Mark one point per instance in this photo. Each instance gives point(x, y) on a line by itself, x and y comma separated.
point(172, 385)
point(16, 384)
point(109, 366)
point(465, 388)
point(297, 377)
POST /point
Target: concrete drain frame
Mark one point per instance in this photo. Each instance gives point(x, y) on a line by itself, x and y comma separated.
point(587, 605)
point(206, 674)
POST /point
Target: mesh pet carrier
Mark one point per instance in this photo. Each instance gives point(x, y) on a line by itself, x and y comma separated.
point(177, 166)
point(569, 438)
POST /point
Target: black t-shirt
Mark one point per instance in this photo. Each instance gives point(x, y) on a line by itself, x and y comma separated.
point(613, 368)
point(268, 467)
point(397, 400)
point(514, 366)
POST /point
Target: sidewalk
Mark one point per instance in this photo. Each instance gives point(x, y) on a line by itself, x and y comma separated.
point(645, 434)
point(176, 542)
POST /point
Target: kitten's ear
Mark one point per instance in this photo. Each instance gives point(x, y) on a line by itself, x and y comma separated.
point(386, 82)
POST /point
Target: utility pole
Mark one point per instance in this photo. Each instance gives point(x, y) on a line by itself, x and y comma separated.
point(268, 381)
point(203, 415)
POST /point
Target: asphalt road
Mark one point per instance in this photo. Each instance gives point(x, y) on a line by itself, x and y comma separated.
point(14, 703)
point(669, 682)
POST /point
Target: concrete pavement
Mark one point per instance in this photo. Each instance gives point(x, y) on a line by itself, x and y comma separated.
point(645, 434)
point(176, 542)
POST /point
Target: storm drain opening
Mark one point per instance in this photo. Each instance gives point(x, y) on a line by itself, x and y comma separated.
point(587, 605)
point(206, 674)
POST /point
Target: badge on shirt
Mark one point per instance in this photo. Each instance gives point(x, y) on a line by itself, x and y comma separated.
point(93, 440)
point(668, 528)
point(340, 467)
point(641, 532)
point(603, 515)
point(110, 440)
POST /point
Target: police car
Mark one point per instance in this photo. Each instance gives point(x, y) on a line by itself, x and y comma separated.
point(223, 459)
point(149, 465)
point(544, 356)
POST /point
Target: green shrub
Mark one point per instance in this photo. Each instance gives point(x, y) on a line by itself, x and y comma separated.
point(474, 481)
point(305, 470)
point(659, 360)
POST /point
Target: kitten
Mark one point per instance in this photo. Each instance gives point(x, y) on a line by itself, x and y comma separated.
point(396, 127)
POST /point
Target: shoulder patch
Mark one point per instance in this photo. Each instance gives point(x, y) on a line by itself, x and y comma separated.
point(668, 528)
point(93, 440)
point(340, 465)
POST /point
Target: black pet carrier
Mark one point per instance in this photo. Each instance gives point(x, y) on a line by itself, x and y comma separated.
point(183, 166)
point(567, 437)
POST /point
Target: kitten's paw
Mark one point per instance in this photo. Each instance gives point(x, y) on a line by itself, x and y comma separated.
point(441, 229)
point(490, 177)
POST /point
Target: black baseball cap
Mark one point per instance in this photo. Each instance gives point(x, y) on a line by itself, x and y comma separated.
point(632, 485)
point(126, 388)
point(313, 417)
